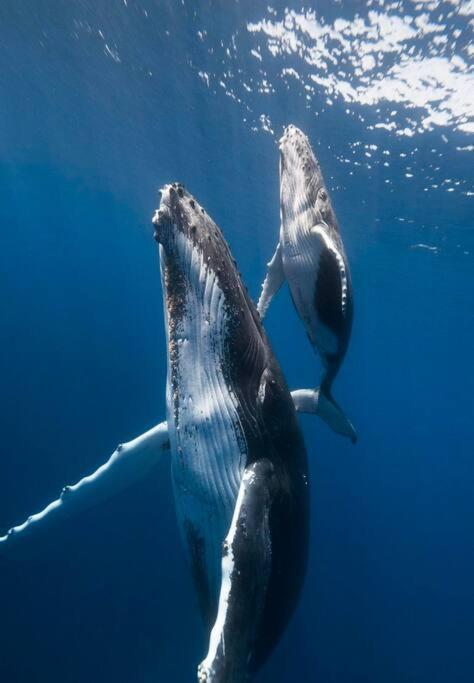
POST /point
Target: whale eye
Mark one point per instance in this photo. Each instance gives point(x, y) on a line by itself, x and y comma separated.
point(323, 194)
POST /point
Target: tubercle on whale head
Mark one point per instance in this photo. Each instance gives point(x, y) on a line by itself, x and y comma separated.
point(294, 139)
point(297, 156)
point(178, 211)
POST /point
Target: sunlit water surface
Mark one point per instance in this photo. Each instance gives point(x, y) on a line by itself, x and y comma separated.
point(101, 104)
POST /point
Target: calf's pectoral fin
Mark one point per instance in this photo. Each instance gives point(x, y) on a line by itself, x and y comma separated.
point(272, 283)
point(246, 564)
point(332, 283)
point(318, 402)
point(128, 463)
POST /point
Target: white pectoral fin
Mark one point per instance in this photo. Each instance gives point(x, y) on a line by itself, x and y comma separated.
point(316, 402)
point(332, 250)
point(128, 463)
point(273, 281)
point(246, 565)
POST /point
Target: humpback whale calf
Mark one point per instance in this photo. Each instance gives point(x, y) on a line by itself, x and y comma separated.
point(310, 256)
point(238, 460)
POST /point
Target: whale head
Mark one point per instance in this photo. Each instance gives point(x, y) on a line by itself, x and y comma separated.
point(195, 262)
point(178, 211)
point(303, 192)
point(187, 235)
point(297, 158)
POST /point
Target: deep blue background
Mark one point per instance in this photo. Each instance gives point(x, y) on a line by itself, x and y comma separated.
point(85, 142)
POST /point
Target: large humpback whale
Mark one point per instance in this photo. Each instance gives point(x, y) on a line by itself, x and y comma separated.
point(310, 256)
point(238, 460)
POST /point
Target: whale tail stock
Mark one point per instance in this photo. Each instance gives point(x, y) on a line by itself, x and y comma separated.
point(320, 402)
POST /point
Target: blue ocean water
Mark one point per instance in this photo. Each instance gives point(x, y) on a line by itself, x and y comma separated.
point(103, 103)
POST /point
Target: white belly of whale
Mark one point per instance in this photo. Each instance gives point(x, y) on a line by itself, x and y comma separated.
point(207, 443)
point(301, 258)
